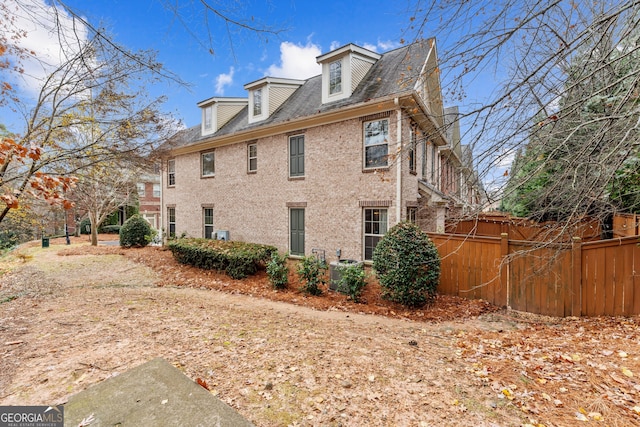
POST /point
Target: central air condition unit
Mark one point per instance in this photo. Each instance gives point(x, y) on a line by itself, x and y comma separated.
point(335, 272)
point(222, 235)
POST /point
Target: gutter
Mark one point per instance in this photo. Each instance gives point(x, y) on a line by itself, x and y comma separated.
point(327, 117)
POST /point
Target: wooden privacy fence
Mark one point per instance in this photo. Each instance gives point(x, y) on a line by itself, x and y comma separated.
point(577, 279)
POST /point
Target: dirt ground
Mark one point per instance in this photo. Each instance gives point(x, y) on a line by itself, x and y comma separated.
point(72, 316)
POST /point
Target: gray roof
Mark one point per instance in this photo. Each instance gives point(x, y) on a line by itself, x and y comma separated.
point(395, 72)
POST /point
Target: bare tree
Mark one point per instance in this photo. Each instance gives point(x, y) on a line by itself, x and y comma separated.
point(559, 79)
point(91, 107)
point(102, 189)
point(235, 17)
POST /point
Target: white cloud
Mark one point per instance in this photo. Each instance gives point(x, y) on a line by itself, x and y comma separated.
point(50, 33)
point(388, 45)
point(296, 61)
point(224, 80)
point(334, 45)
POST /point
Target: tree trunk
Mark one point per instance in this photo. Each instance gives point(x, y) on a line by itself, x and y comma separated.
point(94, 230)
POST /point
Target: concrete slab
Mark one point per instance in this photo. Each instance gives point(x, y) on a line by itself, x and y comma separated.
point(153, 394)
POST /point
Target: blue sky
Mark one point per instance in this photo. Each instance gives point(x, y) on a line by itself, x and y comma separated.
point(310, 28)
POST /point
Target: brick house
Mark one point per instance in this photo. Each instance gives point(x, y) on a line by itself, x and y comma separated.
point(327, 163)
point(149, 189)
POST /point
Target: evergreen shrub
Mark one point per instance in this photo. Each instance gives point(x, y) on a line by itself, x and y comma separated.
point(408, 265)
point(136, 232)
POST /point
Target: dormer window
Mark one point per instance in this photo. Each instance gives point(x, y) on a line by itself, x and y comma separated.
point(335, 77)
point(257, 102)
point(343, 69)
point(267, 94)
point(216, 112)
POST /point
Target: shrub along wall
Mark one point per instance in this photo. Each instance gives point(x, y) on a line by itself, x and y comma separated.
point(237, 259)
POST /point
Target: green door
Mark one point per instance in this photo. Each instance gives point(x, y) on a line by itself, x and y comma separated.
point(297, 231)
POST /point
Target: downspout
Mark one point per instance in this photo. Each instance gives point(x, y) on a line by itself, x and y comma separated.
point(161, 216)
point(398, 162)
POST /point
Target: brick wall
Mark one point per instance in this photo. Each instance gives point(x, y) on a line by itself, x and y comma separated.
point(255, 206)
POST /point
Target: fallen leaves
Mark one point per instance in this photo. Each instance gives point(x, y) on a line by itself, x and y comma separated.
point(563, 372)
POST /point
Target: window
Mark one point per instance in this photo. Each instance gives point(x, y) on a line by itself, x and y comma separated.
point(257, 102)
point(207, 117)
point(296, 156)
point(376, 140)
point(434, 154)
point(375, 226)
point(171, 172)
point(208, 164)
point(171, 221)
point(252, 157)
point(156, 190)
point(412, 150)
point(412, 213)
point(296, 231)
point(335, 77)
point(207, 214)
point(140, 188)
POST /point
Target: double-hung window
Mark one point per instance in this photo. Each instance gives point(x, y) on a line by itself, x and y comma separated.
point(171, 221)
point(252, 157)
point(156, 190)
point(141, 189)
point(208, 164)
point(375, 226)
point(171, 172)
point(376, 143)
point(207, 214)
point(296, 156)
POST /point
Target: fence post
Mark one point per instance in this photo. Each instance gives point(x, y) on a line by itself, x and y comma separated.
point(576, 279)
point(504, 270)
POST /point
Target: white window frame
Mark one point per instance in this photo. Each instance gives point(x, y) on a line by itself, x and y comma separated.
point(171, 212)
point(207, 117)
point(157, 190)
point(257, 102)
point(369, 142)
point(202, 164)
point(204, 223)
point(140, 188)
point(171, 173)
point(369, 232)
point(253, 157)
point(335, 77)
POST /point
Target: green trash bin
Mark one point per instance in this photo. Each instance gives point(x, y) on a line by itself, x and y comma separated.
point(45, 242)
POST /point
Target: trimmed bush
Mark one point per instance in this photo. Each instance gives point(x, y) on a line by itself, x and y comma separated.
point(278, 271)
point(237, 259)
point(110, 229)
point(312, 271)
point(352, 280)
point(408, 265)
point(136, 232)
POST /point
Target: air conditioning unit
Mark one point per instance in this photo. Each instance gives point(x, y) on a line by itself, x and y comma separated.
point(335, 272)
point(222, 235)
